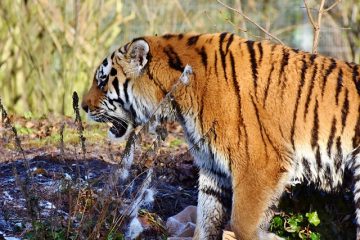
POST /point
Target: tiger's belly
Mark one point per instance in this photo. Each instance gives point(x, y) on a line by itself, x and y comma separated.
point(317, 167)
point(206, 156)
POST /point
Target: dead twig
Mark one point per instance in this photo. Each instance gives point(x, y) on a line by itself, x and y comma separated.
point(317, 24)
point(252, 21)
point(78, 121)
point(62, 145)
point(26, 185)
point(332, 5)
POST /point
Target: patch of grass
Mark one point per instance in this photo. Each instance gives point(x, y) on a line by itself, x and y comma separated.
point(176, 143)
point(23, 130)
point(44, 230)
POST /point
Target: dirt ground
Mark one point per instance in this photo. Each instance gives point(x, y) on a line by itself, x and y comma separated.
point(51, 162)
point(54, 178)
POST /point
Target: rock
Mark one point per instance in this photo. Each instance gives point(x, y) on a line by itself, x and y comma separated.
point(182, 224)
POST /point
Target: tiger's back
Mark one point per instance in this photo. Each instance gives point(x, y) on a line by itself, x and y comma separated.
point(275, 114)
point(297, 104)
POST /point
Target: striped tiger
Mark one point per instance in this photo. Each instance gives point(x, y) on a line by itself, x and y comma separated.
point(275, 114)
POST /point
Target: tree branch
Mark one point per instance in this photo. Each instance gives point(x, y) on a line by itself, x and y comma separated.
point(309, 14)
point(250, 20)
point(332, 6)
point(316, 25)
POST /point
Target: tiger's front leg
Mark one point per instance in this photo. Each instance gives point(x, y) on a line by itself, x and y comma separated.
point(214, 205)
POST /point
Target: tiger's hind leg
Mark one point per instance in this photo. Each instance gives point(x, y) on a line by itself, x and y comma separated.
point(214, 205)
point(253, 193)
point(354, 167)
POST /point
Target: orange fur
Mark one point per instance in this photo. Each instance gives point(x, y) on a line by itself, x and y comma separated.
point(265, 103)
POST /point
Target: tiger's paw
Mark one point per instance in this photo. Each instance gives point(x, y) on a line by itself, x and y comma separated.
point(264, 235)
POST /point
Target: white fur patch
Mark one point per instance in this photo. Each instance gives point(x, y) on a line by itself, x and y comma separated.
point(135, 229)
point(103, 71)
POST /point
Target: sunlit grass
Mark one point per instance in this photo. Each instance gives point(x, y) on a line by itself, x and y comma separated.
point(48, 49)
point(93, 133)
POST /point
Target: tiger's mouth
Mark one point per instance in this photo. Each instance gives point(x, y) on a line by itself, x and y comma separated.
point(118, 129)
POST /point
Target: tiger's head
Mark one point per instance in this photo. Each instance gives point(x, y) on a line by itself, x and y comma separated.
point(117, 80)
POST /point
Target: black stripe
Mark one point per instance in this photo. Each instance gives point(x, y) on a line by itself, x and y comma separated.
point(120, 101)
point(307, 170)
point(260, 51)
point(357, 204)
point(174, 59)
point(339, 155)
point(354, 154)
point(313, 58)
point(299, 91)
point(134, 40)
point(284, 63)
point(178, 111)
point(327, 73)
point(115, 83)
point(236, 84)
point(356, 137)
point(156, 81)
point(345, 110)
point(315, 128)
point(203, 55)
point(339, 86)
point(212, 169)
point(229, 41)
point(355, 76)
point(222, 197)
point(127, 45)
point(168, 36)
point(112, 56)
point(356, 191)
point(331, 136)
point(250, 46)
point(318, 158)
point(105, 62)
point(261, 128)
point(238, 93)
point(122, 50)
point(284, 83)
point(113, 107)
point(328, 175)
point(103, 83)
point(201, 111)
point(338, 147)
point(113, 72)
point(310, 90)
point(266, 92)
point(350, 65)
point(222, 53)
point(132, 110)
point(209, 40)
point(193, 40)
point(180, 36)
point(126, 83)
point(215, 62)
point(268, 84)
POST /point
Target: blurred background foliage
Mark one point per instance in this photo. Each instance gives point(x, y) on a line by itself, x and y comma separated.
point(48, 49)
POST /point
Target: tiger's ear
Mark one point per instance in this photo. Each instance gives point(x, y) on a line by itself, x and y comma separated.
point(136, 57)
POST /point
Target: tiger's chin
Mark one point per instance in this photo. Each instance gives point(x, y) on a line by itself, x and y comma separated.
point(119, 132)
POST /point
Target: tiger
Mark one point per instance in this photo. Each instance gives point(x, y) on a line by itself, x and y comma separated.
point(276, 115)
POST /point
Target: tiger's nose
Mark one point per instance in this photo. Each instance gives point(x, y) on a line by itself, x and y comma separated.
point(85, 107)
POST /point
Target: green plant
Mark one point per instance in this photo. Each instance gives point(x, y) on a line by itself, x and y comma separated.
point(115, 236)
point(296, 226)
point(45, 230)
